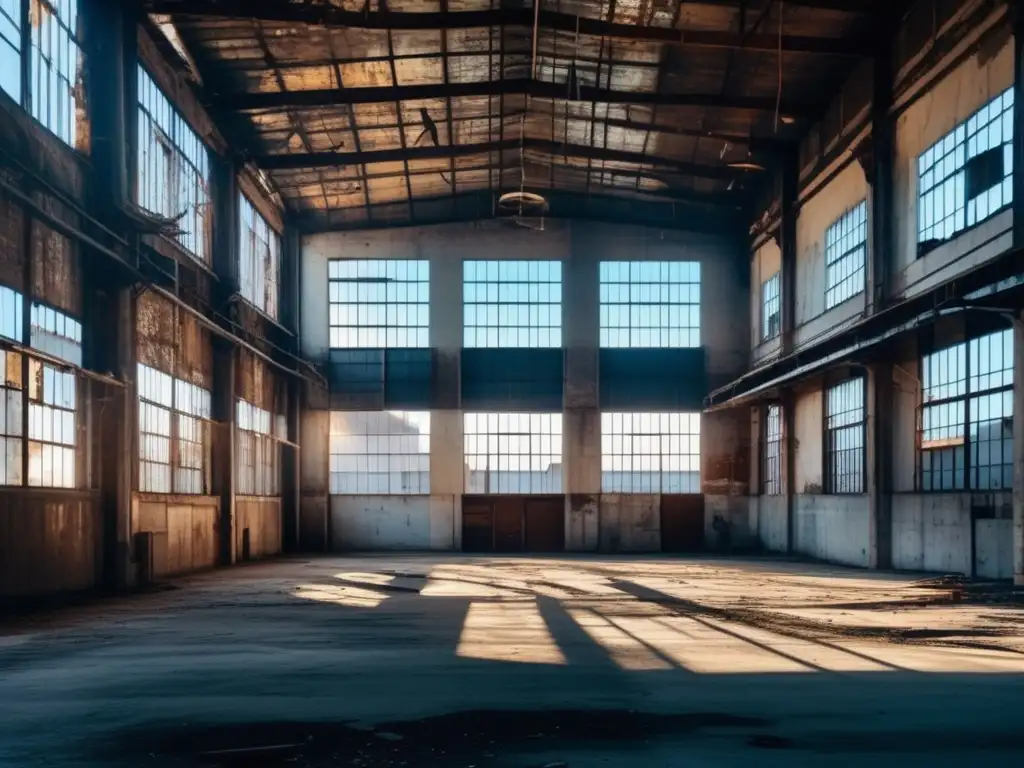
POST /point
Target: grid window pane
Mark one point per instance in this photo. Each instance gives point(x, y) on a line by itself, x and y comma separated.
point(259, 259)
point(380, 452)
point(379, 303)
point(844, 437)
point(650, 304)
point(173, 177)
point(650, 452)
point(967, 415)
point(771, 451)
point(54, 64)
point(11, 314)
point(845, 254)
point(771, 313)
point(174, 434)
point(52, 426)
point(512, 304)
point(513, 452)
point(55, 333)
point(12, 404)
point(967, 176)
point(10, 48)
point(259, 453)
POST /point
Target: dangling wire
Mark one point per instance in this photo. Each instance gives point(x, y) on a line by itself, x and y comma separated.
point(778, 96)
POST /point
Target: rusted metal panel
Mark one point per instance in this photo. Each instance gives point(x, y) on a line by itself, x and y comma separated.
point(12, 233)
point(195, 352)
point(155, 331)
point(57, 271)
point(257, 527)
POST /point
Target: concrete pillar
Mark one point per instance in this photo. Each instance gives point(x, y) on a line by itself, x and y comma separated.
point(790, 190)
point(581, 422)
point(1018, 451)
point(879, 478)
point(880, 174)
point(789, 466)
point(224, 444)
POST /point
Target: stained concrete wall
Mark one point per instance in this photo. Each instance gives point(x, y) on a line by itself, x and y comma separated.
point(813, 321)
point(809, 436)
point(630, 522)
point(393, 522)
point(580, 246)
point(980, 78)
point(772, 524)
point(51, 542)
point(261, 517)
point(994, 547)
point(832, 528)
point(185, 531)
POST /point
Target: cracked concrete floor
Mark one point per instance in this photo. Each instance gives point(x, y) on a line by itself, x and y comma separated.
point(453, 660)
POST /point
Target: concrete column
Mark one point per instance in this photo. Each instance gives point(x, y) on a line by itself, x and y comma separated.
point(879, 462)
point(789, 190)
point(1018, 451)
point(224, 410)
point(789, 466)
point(880, 174)
point(581, 422)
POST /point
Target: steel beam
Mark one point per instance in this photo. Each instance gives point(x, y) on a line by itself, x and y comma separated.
point(328, 97)
point(325, 14)
point(293, 161)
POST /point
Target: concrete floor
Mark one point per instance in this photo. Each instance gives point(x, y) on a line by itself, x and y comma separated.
point(460, 661)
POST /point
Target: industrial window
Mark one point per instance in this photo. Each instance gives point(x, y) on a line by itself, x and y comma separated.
point(967, 416)
point(512, 304)
point(55, 333)
point(51, 426)
point(771, 317)
point(650, 452)
point(12, 394)
point(173, 178)
point(10, 48)
point(513, 452)
point(844, 437)
point(380, 452)
point(771, 451)
point(174, 434)
point(52, 399)
point(259, 453)
point(650, 304)
point(846, 247)
point(967, 176)
point(259, 259)
point(379, 303)
point(54, 65)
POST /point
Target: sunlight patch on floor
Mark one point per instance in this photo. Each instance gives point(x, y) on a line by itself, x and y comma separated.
point(351, 597)
point(508, 631)
point(626, 651)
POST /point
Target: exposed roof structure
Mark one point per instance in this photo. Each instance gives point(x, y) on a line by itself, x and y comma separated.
point(376, 112)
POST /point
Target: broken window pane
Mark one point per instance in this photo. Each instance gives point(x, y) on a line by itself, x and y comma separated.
point(52, 420)
point(55, 66)
point(11, 415)
point(56, 334)
point(259, 257)
point(173, 169)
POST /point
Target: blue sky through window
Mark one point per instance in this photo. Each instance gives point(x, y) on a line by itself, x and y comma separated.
point(379, 303)
point(512, 304)
point(650, 304)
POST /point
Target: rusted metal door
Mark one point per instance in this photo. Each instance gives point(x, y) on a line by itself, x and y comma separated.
point(682, 522)
point(545, 524)
point(508, 524)
point(477, 525)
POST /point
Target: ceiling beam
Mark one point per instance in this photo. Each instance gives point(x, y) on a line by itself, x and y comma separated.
point(325, 14)
point(326, 97)
point(291, 161)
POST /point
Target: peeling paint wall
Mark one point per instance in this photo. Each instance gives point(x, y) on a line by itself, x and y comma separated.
point(809, 429)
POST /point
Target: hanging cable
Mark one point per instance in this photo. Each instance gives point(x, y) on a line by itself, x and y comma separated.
point(778, 95)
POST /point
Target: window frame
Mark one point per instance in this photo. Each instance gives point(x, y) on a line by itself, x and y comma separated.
point(173, 169)
point(772, 428)
point(392, 440)
point(482, 297)
point(338, 306)
point(660, 432)
point(775, 300)
point(491, 443)
point(969, 395)
point(956, 145)
point(830, 468)
point(261, 478)
point(663, 306)
point(845, 238)
point(253, 252)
